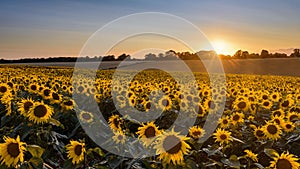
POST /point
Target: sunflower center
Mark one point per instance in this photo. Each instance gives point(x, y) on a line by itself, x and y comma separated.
point(150, 132)
point(27, 105)
point(165, 102)
point(259, 133)
point(55, 96)
point(86, 116)
point(266, 103)
point(277, 121)
point(283, 164)
point(46, 92)
point(288, 126)
point(3, 89)
point(272, 129)
point(120, 137)
point(78, 150)
point(68, 103)
point(40, 111)
point(225, 121)
point(13, 149)
point(285, 103)
point(241, 105)
point(197, 133)
point(169, 146)
point(236, 117)
point(223, 137)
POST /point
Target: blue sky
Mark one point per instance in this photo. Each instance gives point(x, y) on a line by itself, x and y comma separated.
point(60, 28)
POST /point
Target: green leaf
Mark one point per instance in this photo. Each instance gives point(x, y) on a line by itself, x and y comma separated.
point(35, 150)
point(36, 162)
point(56, 123)
point(270, 152)
point(99, 151)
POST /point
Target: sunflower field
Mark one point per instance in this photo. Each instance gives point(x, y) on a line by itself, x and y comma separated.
point(257, 120)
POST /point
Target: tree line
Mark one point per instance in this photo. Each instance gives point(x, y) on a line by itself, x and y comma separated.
point(168, 55)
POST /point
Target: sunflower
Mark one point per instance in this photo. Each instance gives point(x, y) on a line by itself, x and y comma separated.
point(288, 126)
point(266, 104)
point(165, 103)
point(40, 112)
point(55, 98)
point(278, 120)
point(285, 161)
point(258, 132)
point(24, 106)
point(237, 118)
point(275, 96)
point(222, 136)
point(242, 105)
point(12, 151)
point(210, 105)
point(46, 93)
point(224, 122)
point(76, 151)
point(196, 132)
point(251, 155)
point(68, 104)
point(171, 147)
point(86, 117)
point(4, 88)
point(115, 122)
point(148, 133)
point(272, 130)
point(119, 137)
point(279, 113)
point(293, 116)
point(286, 103)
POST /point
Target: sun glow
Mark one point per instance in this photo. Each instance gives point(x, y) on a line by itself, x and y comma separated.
point(221, 47)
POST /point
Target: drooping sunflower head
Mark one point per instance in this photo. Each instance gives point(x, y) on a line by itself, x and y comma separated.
point(76, 151)
point(12, 151)
point(251, 155)
point(148, 132)
point(196, 132)
point(222, 136)
point(171, 147)
point(272, 130)
point(285, 161)
point(40, 113)
point(115, 122)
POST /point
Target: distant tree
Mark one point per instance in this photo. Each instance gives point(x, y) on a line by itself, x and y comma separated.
point(238, 54)
point(108, 58)
point(245, 54)
point(264, 54)
point(123, 57)
point(150, 56)
point(296, 53)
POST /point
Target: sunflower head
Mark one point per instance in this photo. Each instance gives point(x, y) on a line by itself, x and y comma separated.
point(76, 151)
point(285, 161)
point(222, 136)
point(12, 151)
point(40, 113)
point(196, 132)
point(148, 132)
point(272, 130)
point(171, 147)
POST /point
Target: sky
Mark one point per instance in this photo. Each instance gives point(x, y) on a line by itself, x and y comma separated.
point(54, 28)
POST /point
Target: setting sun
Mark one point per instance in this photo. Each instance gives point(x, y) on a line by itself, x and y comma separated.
point(221, 47)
